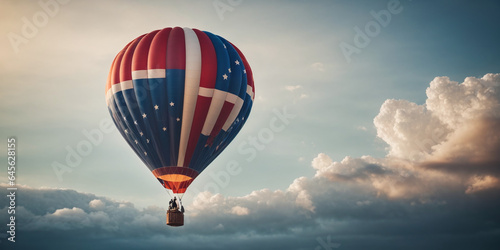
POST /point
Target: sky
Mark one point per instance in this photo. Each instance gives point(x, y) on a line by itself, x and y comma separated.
point(390, 112)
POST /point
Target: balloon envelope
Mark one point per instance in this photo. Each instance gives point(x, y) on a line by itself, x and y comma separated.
point(179, 96)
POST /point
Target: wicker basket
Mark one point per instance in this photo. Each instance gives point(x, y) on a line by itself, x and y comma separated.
point(175, 218)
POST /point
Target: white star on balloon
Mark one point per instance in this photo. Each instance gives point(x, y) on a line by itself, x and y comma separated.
point(144, 115)
point(156, 107)
point(172, 104)
point(164, 129)
point(237, 62)
point(224, 76)
point(178, 119)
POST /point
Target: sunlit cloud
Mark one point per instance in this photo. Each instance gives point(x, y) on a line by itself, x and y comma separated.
point(478, 183)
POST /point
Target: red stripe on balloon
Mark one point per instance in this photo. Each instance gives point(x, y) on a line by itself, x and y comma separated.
point(110, 74)
point(176, 49)
point(140, 57)
point(158, 59)
point(126, 63)
point(208, 61)
point(114, 73)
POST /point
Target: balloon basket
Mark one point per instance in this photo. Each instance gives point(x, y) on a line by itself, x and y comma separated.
point(175, 218)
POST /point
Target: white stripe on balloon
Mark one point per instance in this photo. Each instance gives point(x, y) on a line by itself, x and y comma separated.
point(191, 88)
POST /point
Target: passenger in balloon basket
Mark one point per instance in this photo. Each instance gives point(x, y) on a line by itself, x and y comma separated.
point(172, 205)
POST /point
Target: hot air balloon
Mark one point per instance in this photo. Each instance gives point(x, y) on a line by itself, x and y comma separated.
point(179, 96)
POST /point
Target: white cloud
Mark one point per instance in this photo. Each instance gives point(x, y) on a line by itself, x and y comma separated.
point(292, 88)
point(96, 204)
point(69, 213)
point(363, 128)
point(451, 114)
point(457, 103)
point(321, 162)
point(303, 198)
point(410, 130)
point(238, 210)
point(297, 95)
point(431, 147)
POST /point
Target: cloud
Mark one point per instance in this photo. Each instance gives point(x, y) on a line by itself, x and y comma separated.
point(96, 204)
point(457, 103)
point(435, 156)
point(445, 127)
point(239, 210)
point(439, 182)
point(292, 88)
point(362, 128)
point(297, 96)
point(454, 136)
point(448, 145)
point(409, 129)
point(478, 183)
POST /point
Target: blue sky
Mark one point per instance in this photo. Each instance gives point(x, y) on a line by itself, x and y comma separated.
point(330, 155)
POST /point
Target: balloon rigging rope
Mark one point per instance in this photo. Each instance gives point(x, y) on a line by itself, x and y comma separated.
point(171, 197)
point(169, 194)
